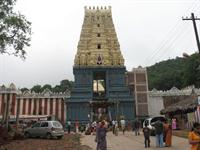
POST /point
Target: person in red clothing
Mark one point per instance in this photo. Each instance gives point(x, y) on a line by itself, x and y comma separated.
point(77, 126)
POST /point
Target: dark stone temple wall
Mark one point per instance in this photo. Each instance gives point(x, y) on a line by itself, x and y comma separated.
point(78, 105)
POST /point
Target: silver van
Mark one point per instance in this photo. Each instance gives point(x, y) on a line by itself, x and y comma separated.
point(47, 129)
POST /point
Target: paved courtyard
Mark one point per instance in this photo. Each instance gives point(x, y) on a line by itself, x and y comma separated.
point(131, 142)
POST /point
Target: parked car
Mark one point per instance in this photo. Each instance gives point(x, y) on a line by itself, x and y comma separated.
point(151, 121)
point(47, 129)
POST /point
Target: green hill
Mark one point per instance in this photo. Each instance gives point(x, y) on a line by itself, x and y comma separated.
point(179, 72)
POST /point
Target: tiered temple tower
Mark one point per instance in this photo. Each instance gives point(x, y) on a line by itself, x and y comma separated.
point(100, 90)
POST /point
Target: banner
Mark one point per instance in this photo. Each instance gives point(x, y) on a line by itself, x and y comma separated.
point(191, 117)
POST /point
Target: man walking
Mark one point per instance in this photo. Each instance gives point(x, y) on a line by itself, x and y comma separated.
point(137, 127)
point(123, 123)
point(68, 126)
point(113, 126)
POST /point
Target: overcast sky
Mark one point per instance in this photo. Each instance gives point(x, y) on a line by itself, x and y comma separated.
point(148, 31)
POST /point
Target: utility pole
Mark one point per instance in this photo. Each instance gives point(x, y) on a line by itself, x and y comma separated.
point(4, 110)
point(7, 110)
point(117, 109)
point(195, 28)
point(17, 115)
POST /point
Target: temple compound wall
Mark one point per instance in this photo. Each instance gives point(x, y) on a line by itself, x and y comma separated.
point(159, 100)
point(32, 105)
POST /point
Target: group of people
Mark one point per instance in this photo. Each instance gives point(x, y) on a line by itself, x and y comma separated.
point(162, 130)
point(163, 134)
point(76, 125)
point(115, 126)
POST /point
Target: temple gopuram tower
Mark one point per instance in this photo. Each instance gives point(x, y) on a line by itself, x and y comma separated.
point(99, 90)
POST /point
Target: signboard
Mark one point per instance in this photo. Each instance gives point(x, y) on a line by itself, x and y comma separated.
point(199, 100)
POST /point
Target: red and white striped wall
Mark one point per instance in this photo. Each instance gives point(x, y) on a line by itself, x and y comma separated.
point(12, 102)
point(46, 103)
point(43, 106)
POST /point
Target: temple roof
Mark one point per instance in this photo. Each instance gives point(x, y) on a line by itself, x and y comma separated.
point(98, 44)
point(186, 105)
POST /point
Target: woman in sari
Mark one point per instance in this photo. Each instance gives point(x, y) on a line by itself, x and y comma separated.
point(168, 134)
point(194, 137)
point(101, 137)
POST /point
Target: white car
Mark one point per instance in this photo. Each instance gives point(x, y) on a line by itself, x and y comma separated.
point(151, 121)
point(47, 129)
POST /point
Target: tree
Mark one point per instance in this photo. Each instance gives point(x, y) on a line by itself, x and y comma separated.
point(15, 30)
point(192, 71)
point(56, 89)
point(36, 89)
point(65, 85)
point(46, 86)
point(179, 72)
point(24, 89)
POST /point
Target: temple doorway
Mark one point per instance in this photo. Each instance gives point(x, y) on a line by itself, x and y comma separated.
point(99, 85)
point(101, 110)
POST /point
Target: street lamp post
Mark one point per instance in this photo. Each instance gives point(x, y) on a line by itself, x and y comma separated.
point(89, 117)
point(117, 109)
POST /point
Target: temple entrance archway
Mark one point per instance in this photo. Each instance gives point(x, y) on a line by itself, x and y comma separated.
point(100, 110)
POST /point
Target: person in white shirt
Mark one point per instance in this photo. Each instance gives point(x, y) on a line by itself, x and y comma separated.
point(122, 121)
point(113, 126)
point(116, 128)
point(68, 126)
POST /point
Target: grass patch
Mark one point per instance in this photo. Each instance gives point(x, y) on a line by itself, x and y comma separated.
point(181, 133)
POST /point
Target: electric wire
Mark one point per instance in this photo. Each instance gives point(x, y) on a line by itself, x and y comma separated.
point(172, 33)
point(185, 30)
point(171, 47)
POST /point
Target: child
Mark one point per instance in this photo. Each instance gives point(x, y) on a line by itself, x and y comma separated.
point(146, 132)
